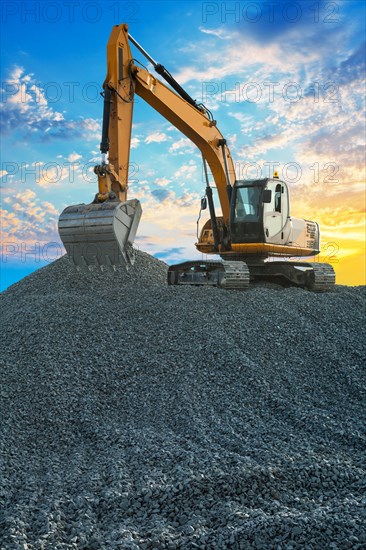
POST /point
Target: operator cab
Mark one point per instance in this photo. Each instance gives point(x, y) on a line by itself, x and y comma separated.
point(259, 211)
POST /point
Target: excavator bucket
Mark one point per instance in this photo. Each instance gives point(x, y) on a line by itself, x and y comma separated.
point(100, 234)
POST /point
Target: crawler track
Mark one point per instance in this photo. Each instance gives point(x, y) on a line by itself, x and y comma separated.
point(324, 277)
point(225, 274)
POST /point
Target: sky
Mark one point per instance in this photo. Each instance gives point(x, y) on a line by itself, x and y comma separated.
point(285, 82)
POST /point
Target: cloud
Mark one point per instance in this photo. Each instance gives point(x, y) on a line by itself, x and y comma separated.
point(26, 195)
point(54, 175)
point(188, 200)
point(162, 194)
point(274, 51)
point(135, 142)
point(27, 220)
point(230, 63)
point(156, 137)
point(324, 127)
point(353, 68)
point(182, 146)
point(162, 182)
point(169, 252)
point(26, 109)
point(219, 33)
point(186, 171)
point(90, 128)
point(73, 157)
point(50, 208)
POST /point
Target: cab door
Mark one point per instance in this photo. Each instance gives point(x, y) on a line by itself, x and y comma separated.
point(275, 213)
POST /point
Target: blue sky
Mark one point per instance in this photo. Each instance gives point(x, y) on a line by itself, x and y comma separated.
point(285, 81)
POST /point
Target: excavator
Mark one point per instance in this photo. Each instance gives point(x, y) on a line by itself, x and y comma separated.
point(255, 229)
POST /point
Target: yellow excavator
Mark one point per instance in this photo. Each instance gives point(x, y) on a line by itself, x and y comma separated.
point(255, 228)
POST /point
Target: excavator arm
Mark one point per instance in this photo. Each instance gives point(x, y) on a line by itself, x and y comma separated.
point(118, 93)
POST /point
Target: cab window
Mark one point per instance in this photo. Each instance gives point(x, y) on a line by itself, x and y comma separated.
point(247, 203)
point(277, 198)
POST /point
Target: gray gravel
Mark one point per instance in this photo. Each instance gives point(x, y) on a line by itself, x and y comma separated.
point(137, 415)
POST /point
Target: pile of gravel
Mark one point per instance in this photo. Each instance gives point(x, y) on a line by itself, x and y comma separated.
point(137, 415)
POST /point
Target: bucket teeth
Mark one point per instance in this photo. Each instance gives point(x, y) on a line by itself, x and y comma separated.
point(100, 235)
